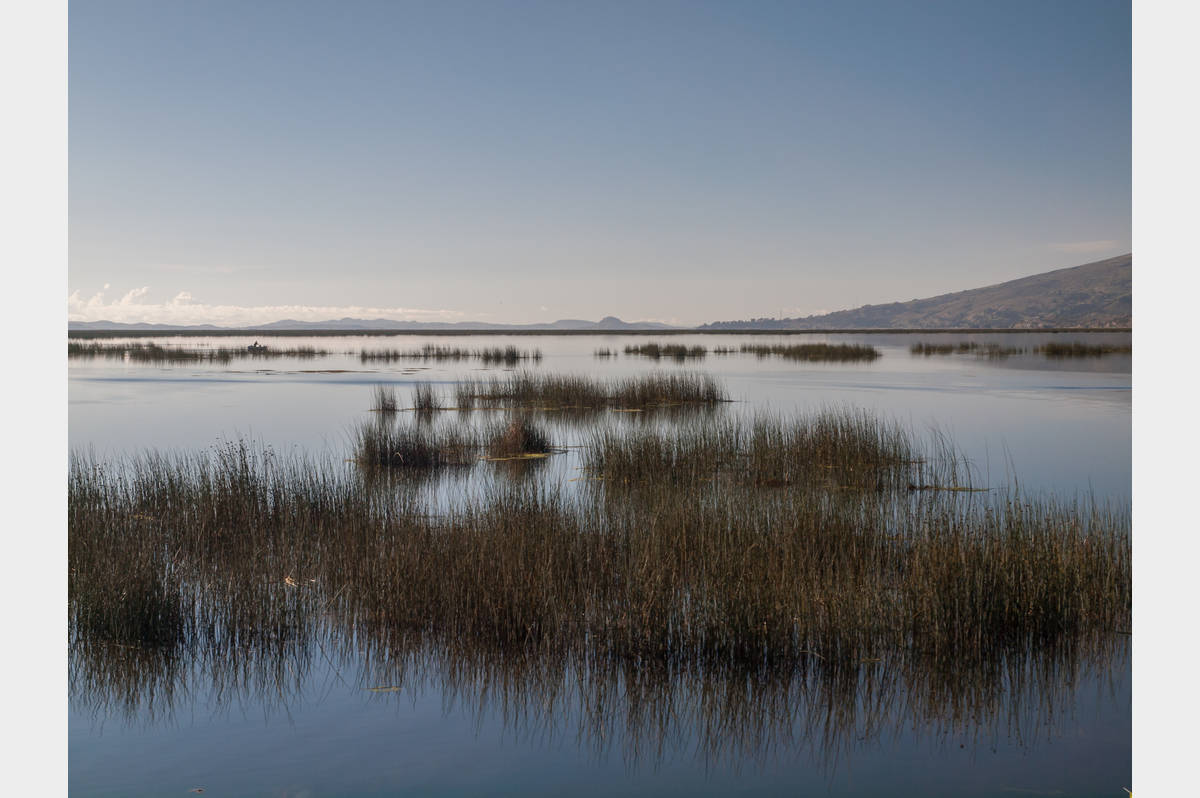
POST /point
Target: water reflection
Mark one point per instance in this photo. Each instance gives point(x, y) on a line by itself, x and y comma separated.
point(731, 717)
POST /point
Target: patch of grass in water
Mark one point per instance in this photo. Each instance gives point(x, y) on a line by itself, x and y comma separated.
point(656, 351)
point(1076, 349)
point(814, 353)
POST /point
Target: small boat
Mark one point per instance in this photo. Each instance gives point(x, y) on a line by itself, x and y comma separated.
point(256, 347)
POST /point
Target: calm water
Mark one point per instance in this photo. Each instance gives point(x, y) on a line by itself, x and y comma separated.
point(1059, 427)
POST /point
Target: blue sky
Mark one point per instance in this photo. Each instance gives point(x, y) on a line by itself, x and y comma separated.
point(244, 162)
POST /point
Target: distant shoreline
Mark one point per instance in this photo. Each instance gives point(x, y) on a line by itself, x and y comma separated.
point(649, 331)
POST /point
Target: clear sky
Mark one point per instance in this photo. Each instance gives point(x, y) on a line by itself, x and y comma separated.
point(241, 162)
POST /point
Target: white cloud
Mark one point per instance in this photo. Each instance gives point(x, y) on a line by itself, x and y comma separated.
point(182, 309)
point(134, 295)
point(1085, 246)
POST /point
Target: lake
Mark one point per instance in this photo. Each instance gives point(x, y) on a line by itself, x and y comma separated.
point(336, 714)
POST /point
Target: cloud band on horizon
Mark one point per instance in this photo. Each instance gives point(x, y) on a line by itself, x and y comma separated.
point(182, 310)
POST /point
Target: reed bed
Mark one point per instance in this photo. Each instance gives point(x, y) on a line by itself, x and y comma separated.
point(1076, 349)
point(843, 353)
point(750, 581)
point(603, 352)
point(990, 350)
point(842, 448)
point(392, 446)
point(656, 351)
point(154, 353)
point(559, 391)
point(507, 355)
point(426, 398)
point(695, 575)
point(464, 397)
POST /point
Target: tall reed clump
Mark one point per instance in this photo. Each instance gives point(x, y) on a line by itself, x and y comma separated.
point(657, 390)
point(656, 351)
point(506, 355)
point(517, 437)
point(384, 399)
point(464, 397)
point(838, 448)
point(392, 446)
point(814, 352)
point(425, 398)
point(564, 391)
point(991, 350)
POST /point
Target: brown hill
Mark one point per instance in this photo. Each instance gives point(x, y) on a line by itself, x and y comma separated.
point(1098, 294)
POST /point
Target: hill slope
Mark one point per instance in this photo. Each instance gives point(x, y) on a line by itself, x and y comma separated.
point(1095, 294)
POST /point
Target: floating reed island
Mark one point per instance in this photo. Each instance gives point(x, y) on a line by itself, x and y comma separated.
point(812, 353)
point(507, 355)
point(154, 353)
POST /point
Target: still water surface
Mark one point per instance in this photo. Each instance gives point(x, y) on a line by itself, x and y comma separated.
point(1060, 427)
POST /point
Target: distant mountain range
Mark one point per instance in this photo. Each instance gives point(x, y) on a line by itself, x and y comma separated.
point(606, 323)
point(1098, 294)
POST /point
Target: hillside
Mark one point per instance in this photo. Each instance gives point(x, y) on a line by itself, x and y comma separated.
point(1095, 294)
